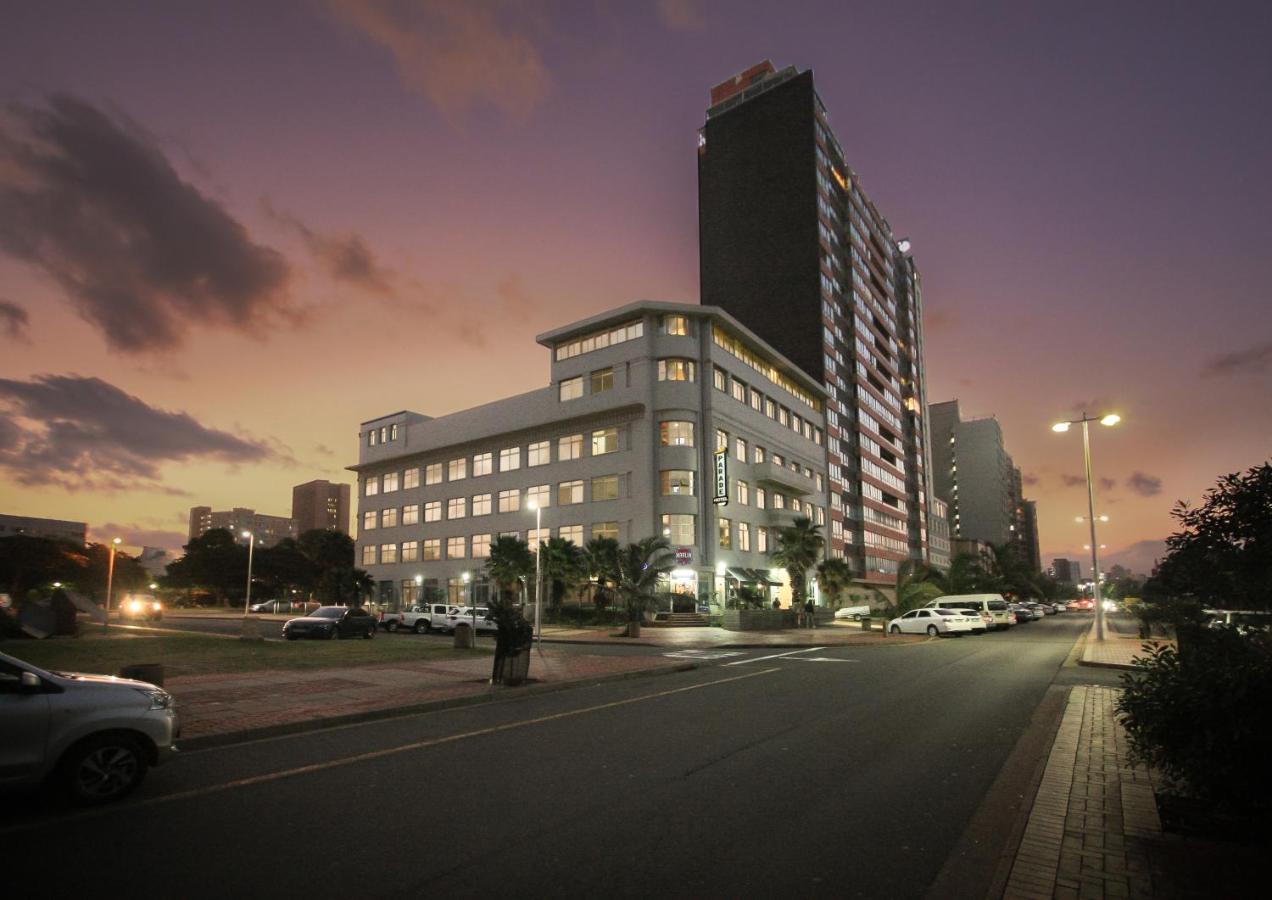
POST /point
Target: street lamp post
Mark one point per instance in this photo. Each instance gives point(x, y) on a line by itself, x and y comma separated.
point(1109, 419)
point(110, 578)
point(538, 565)
point(251, 546)
point(468, 596)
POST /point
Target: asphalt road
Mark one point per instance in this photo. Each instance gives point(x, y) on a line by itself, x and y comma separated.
point(840, 772)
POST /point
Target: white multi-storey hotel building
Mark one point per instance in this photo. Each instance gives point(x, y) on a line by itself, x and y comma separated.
point(659, 418)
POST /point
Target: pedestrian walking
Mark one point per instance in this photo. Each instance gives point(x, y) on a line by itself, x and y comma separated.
point(809, 619)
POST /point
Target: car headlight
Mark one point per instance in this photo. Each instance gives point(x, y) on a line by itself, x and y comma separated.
point(159, 699)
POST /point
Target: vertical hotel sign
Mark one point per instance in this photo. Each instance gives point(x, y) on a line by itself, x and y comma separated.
point(721, 495)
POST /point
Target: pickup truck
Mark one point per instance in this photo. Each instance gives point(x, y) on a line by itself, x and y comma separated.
point(419, 618)
point(470, 616)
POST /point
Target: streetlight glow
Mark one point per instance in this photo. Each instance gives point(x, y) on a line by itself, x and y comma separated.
point(1111, 419)
point(110, 577)
point(1060, 427)
point(247, 603)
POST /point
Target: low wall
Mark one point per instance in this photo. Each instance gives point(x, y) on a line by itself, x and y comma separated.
point(758, 619)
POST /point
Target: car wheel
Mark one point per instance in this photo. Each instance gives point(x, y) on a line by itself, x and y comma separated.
point(103, 768)
point(896, 629)
point(370, 632)
point(292, 637)
point(333, 634)
point(933, 631)
point(391, 627)
point(421, 626)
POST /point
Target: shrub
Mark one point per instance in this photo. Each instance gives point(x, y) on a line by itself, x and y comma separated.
point(1204, 719)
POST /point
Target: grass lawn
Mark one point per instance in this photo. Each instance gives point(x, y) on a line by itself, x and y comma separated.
point(197, 654)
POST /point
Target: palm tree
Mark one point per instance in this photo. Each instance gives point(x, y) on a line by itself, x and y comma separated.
point(600, 564)
point(640, 567)
point(562, 567)
point(510, 561)
point(917, 583)
point(835, 576)
point(797, 550)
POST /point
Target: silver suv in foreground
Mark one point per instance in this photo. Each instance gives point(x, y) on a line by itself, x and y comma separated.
point(93, 736)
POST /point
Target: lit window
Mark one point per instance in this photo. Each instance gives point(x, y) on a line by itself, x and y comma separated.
point(744, 493)
point(604, 440)
point(369, 520)
point(390, 482)
point(725, 529)
point(456, 507)
point(371, 486)
point(373, 439)
point(761, 539)
point(509, 501)
point(759, 454)
point(571, 388)
point(572, 533)
point(433, 474)
point(675, 434)
point(410, 551)
point(739, 450)
point(433, 511)
point(722, 439)
point(739, 391)
point(411, 514)
point(481, 546)
point(431, 549)
point(677, 370)
point(720, 379)
point(678, 325)
point(483, 464)
point(679, 529)
point(605, 487)
point(569, 447)
point(536, 535)
point(677, 481)
point(456, 547)
point(779, 501)
point(368, 555)
point(457, 469)
point(744, 536)
point(410, 479)
point(389, 518)
point(569, 492)
point(605, 530)
point(481, 505)
point(539, 454)
point(509, 459)
point(539, 495)
point(388, 553)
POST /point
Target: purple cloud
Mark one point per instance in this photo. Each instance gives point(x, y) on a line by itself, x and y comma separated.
point(1144, 485)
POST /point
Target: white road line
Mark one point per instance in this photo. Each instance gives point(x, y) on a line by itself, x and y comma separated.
point(741, 662)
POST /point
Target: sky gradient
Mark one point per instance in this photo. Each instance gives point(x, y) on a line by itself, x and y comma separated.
point(230, 233)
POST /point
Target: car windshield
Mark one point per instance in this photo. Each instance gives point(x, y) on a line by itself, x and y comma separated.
point(328, 612)
point(948, 612)
point(998, 605)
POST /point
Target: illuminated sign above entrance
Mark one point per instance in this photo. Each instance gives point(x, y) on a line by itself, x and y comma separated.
point(721, 496)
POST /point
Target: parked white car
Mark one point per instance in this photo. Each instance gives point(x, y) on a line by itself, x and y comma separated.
point(855, 613)
point(94, 736)
point(936, 622)
point(470, 616)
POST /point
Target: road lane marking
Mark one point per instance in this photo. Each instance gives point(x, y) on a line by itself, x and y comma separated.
point(820, 659)
point(774, 656)
point(703, 654)
point(372, 754)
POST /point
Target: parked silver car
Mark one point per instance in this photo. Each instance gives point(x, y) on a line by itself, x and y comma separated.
point(93, 736)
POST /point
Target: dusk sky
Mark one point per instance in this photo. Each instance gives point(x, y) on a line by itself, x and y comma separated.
point(231, 232)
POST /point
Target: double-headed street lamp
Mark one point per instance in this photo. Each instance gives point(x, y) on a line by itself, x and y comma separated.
point(251, 546)
point(538, 565)
point(1109, 419)
point(110, 577)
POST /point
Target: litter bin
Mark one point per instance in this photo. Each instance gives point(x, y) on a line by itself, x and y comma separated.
point(463, 636)
point(865, 624)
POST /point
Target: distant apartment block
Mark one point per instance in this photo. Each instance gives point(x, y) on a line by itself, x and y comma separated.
point(321, 505)
point(791, 245)
point(658, 419)
point(269, 530)
point(1068, 571)
point(56, 529)
point(939, 546)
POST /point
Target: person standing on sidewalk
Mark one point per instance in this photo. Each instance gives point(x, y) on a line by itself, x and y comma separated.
point(809, 619)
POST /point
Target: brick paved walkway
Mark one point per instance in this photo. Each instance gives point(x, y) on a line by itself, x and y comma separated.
point(1093, 814)
point(1120, 647)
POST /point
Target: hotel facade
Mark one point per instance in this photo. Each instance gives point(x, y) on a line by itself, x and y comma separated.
point(658, 419)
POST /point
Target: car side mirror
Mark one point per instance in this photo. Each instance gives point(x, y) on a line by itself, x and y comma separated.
point(30, 682)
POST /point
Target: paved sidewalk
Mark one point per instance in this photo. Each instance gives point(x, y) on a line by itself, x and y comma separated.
point(223, 708)
point(835, 634)
point(1094, 814)
point(1121, 646)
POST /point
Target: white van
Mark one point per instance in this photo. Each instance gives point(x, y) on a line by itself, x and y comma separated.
point(992, 607)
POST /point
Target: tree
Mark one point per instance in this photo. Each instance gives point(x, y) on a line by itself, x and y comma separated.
point(835, 576)
point(917, 583)
point(1222, 555)
point(283, 568)
point(640, 568)
point(509, 562)
point(1015, 573)
point(600, 564)
point(969, 575)
point(213, 561)
point(33, 563)
point(562, 565)
point(797, 550)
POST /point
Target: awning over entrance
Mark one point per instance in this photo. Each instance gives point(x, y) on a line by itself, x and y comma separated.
point(752, 576)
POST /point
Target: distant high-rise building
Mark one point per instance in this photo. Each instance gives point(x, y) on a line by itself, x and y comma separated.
point(1068, 571)
point(321, 505)
point(56, 529)
point(269, 530)
point(791, 246)
point(1028, 532)
point(973, 473)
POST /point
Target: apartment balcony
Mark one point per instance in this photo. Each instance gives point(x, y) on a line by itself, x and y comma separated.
point(788, 481)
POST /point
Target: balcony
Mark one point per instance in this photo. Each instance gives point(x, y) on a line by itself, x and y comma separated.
point(790, 482)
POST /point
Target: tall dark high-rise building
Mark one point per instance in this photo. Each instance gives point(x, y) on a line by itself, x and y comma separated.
point(791, 245)
point(321, 505)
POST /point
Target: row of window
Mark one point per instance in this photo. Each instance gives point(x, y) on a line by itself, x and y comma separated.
point(538, 453)
point(741, 392)
point(476, 546)
point(760, 455)
point(599, 340)
point(603, 487)
point(382, 435)
point(737, 348)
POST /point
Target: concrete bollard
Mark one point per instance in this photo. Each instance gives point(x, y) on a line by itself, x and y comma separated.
point(463, 636)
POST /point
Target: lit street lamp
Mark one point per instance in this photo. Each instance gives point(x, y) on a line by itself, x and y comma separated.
point(538, 556)
point(1109, 419)
point(251, 546)
point(110, 578)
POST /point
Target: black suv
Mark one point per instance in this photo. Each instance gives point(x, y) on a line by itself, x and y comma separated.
point(332, 622)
